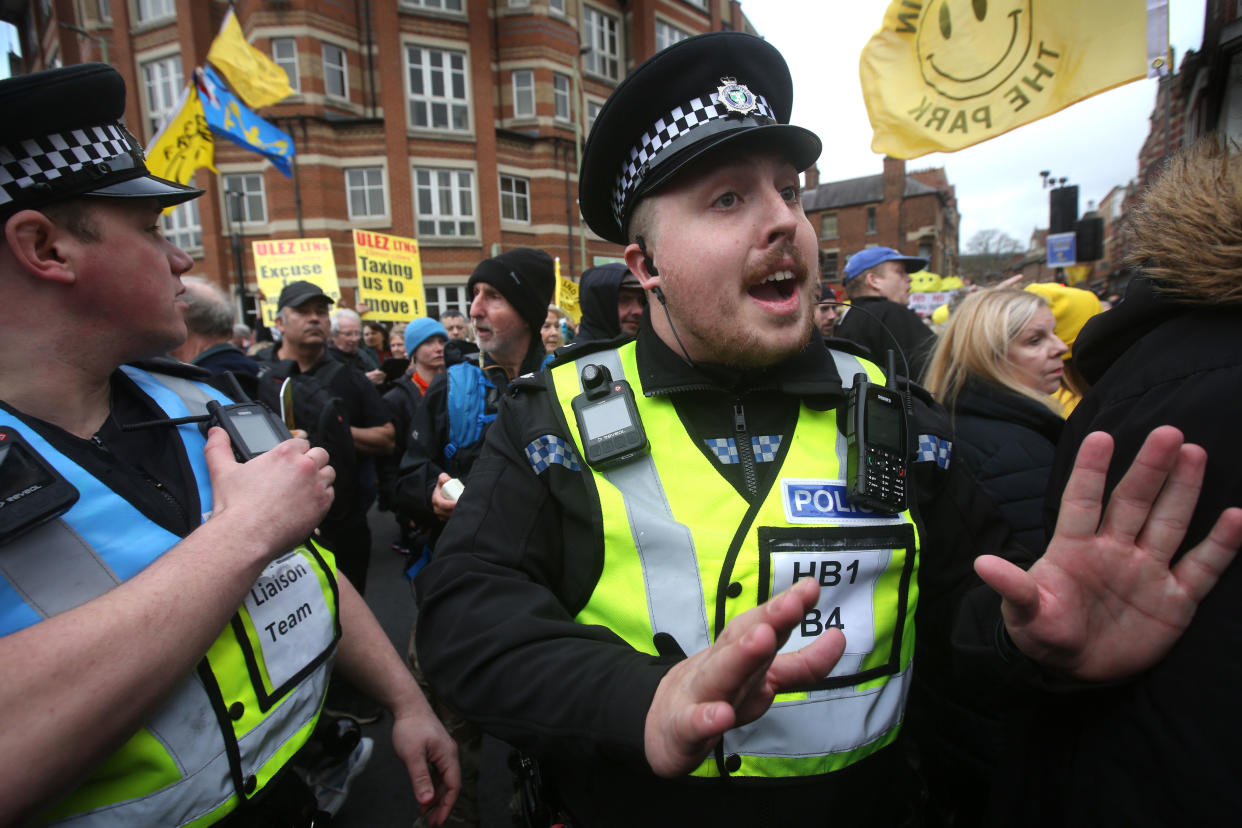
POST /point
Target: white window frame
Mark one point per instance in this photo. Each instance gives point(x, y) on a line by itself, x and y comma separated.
point(288, 62)
point(431, 186)
point(183, 226)
point(162, 83)
point(667, 34)
point(557, 7)
point(519, 4)
point(602, 31)
point(148, 11)
point(873, 220)
point(592, 108)
point(454, 107)
point(823, 219)
point(443, 297)
point(369, 183)
point(701, 5)
point(342, 69)
point(448, 6)
point(562, 100)
point(104, 7)
point(254, 199)
point(523, 93)
point(516, 196)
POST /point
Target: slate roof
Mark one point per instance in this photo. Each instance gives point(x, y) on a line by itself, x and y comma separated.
point(866, 190)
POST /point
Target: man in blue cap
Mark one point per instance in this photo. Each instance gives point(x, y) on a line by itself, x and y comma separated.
point(877, 281)
point(166, 623)
point(657, 581)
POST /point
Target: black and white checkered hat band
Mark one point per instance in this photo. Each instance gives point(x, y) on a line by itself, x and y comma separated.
point(51, 159)
point(667, 130)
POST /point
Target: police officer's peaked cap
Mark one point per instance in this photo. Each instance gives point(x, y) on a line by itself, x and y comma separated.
point(692, 97)
point(62, 135)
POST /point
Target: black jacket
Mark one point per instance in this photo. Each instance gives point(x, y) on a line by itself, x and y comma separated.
point(865, 323)
point(1161, 749)
point(524, 551)
point(1008, 442)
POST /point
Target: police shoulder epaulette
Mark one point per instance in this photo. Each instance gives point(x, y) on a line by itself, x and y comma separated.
point(527, 382)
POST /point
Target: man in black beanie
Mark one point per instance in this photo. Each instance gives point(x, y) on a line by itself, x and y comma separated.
point(510, 300)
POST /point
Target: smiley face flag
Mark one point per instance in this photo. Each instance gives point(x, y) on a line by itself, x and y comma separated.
point(941, 75)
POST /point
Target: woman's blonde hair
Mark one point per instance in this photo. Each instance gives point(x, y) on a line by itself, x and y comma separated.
point(975, 345)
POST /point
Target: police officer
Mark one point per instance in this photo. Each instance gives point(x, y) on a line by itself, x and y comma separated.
point(166, 638)
point(607, 606)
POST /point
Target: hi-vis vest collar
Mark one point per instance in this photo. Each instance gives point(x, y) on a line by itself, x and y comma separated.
point(219, 737)
point(685, 554)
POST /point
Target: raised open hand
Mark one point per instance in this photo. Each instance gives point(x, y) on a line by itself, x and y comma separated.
point(1103, 602)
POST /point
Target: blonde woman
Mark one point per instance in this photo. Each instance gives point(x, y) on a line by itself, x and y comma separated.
point(995, 369)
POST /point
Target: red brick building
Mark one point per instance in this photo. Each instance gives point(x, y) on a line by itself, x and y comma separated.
point(455, 122)
point(914, 213)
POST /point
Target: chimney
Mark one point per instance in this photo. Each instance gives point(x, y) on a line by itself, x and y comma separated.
point(812, 177)
point(894, 179)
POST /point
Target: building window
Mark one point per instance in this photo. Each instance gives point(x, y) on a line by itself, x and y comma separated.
point(183, 227)
point(557, 6)
point(593, 109)
point(698, 4)
point(163, 82)
point(285, 55)
point(441, 298)
point(149, 10)
point(519, 4)
point(830, 267)
point(445, 202)
point(245, 197)
point(601, 32)
point(828, 226)
point(925, 250)
point(437, 88)
point(105, 11)
point(515, 198)
point(364, 189)
point(335, 78)
point(560, 96)
point(870, 219)
point(524, 94)
point(667, 35)
point(438, 5)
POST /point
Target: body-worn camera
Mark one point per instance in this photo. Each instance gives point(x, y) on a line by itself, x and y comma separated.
point(608, 419)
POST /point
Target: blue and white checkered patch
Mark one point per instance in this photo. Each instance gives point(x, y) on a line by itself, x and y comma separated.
point(548, 449)
point(765, 448)
point(725, 449)
point(934, 450)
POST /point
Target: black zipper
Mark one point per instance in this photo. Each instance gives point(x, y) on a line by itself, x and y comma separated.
point(745, 451)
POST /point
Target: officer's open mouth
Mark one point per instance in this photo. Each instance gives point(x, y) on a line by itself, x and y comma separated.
point(780, 285)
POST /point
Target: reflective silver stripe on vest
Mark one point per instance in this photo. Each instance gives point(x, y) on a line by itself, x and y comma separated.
point(194, 397)
point(665, 546)
point(77, 575)
point(826, 721)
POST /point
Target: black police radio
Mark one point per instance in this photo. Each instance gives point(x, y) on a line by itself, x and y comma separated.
point(608, 419)
point(877, 447)
point(251, 426)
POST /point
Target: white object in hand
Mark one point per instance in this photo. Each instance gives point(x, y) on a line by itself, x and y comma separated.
point(452, 489)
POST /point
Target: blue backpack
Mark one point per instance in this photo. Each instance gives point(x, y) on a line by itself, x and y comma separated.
point(467, 401)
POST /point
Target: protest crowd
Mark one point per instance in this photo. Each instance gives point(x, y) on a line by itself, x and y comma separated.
point(730, 538)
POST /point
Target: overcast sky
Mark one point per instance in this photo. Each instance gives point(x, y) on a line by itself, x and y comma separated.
point(1094, 143)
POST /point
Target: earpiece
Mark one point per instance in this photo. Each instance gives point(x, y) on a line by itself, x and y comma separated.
point(649, 264)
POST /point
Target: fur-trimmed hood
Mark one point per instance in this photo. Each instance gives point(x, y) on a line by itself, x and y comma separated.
point(1186, 233)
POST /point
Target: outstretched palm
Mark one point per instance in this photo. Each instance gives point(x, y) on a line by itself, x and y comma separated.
point(1103, 602)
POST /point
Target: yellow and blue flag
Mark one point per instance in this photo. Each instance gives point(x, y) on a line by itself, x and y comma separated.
point(255, 77)
point(231, 118)
point(941, 75)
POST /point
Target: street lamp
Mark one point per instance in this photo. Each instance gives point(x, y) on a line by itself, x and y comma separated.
point(235, 219)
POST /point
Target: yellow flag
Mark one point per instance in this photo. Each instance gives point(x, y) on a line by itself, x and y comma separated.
point(941, 75)
point(254, 77)
point(184, 143)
